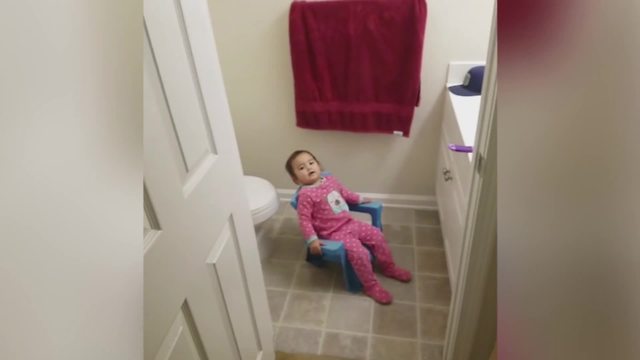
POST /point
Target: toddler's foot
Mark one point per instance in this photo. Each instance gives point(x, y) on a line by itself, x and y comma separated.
point(379, 294)
point(397, 273)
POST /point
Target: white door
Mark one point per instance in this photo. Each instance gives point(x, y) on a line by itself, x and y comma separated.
point(204, 295)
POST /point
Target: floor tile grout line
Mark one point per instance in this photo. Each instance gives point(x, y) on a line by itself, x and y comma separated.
point(431, 342)
point(439, 307)
point(293, 290)
point(276, 288)
point(413, 233)
point(415, 268)
point(311, 327)
point(319, 292)
point(287, 237)
point(428, 225)
point(397, 338)
point(283, 260)
point(276, 322)
point(326, 315)
point(353, 333)
point(410, 246)
point(275, 228)
point(427, 247)
point(420, 247)
point(286, 301)
point(435, 307)
point(370, 337)
point(433, 274)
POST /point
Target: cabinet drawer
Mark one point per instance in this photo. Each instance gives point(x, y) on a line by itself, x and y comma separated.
point(448, 217)
point(454, 186)
point(452, 208)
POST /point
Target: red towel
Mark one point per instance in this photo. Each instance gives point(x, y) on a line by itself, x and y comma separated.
point(356, 63)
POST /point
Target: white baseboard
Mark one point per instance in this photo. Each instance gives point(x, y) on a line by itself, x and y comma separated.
point(418, 202)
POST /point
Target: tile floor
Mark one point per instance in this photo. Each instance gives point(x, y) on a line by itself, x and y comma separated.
point(313, 313)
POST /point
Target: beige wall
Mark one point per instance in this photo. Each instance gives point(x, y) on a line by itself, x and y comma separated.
point(253, 43)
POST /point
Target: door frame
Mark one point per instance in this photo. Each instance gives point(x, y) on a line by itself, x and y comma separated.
point(472, 317)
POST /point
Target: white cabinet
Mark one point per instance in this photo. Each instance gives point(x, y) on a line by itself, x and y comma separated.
point(454, 174)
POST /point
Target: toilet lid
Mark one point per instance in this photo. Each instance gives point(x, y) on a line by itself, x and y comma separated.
point(263, 199)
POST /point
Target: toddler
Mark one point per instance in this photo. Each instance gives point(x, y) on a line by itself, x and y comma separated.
point(323, 212)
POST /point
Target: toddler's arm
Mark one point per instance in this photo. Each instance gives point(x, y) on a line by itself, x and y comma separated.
point(305, 207)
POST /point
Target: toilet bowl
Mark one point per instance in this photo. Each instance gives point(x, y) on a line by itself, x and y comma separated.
point(263, 198)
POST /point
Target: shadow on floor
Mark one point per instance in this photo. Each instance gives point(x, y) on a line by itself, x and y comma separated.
point(287, 356)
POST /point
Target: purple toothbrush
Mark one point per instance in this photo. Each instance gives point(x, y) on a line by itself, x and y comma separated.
point(461, 148)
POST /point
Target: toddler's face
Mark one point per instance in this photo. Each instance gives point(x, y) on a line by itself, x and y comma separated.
point(306, 169)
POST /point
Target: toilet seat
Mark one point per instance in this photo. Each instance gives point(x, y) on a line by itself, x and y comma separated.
point(263, 198)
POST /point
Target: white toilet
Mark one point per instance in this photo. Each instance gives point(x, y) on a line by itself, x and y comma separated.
point(263, 203)
point(263, 198)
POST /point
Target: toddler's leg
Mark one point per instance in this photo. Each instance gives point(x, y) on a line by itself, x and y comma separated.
point(358, 256)
point(374, 239)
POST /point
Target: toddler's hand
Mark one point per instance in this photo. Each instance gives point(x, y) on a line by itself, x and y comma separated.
point(315, 247)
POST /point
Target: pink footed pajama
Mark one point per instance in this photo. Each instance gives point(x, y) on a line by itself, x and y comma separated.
point(323, 212)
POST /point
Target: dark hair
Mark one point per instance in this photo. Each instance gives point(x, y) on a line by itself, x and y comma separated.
point(293, 155)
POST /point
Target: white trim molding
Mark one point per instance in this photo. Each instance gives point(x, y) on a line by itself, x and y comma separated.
point(408, 201)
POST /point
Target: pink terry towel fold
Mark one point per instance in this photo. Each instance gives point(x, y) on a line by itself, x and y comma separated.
point(356, 63)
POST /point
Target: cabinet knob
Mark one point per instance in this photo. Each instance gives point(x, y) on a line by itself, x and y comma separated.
point(446, 173)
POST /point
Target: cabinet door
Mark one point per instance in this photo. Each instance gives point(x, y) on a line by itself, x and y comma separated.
point(461, 163)
point(448, 214)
